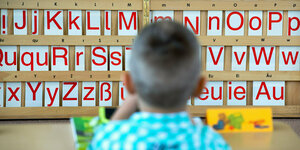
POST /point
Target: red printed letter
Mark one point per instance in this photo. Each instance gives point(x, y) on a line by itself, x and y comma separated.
point(115, 58)
point(51, 97)
point(286, 60)
point(121, 17)
point(270, 18)
point(107, 90)
point(213, 57)
point(259, 23)
point(262, 50)
point(88, 93)
point(31, 60)
point(97, 55)
point(263, 85)
point(61, 56)
point(210, 20)
point(52, 19)
point(70, 90)
point(187, 20)
point(24, 21)
point(34, 90)
point(228, 22)
point(13, 94)
point(290, 26)
point(73, 21)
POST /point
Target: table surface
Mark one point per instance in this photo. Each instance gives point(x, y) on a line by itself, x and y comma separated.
point(58, 136)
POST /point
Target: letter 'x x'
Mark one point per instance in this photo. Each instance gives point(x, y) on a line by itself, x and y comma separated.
point(13, 94)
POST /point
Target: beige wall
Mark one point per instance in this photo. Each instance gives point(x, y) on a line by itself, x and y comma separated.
point(294, 123)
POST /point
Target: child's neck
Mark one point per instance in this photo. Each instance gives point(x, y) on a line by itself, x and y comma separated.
point(146, 108)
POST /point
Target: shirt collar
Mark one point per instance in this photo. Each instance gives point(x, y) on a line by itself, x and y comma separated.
point(160, 117)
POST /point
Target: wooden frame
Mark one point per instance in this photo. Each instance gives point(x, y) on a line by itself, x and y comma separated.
point(292, 78)
point(127, 40)
point(13, 76)
point(67, 5)
point(290, 111)
point(223, 5)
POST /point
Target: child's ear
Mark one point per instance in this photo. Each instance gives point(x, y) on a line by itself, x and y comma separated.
point(126, 77)
point(200, 85)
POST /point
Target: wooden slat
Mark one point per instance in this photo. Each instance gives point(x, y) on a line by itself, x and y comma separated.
point(223, 5)
point(249, 40)
point(128, 40)
point(115, 76)
point(64, 40)
point(252, 75)
point(78, 4)
point(60, 76)
point(278, 111)
point(66, 112)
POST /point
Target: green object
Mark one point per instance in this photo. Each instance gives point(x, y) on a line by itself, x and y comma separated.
point(84, 127)
point(236, 120)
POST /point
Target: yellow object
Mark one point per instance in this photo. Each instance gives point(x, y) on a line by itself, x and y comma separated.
point(240, 119)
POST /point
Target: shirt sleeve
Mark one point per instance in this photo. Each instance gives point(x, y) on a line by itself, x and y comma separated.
point(215, 141)
point(97, 138)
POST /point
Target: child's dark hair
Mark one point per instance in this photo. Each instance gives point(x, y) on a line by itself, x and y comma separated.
point(165, 64)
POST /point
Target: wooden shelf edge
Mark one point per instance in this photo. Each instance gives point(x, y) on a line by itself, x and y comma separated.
point(15, 76)
point(249, 40)
point(66, 40)
point(292, 111)
point(73, 5)
point(223, 5)
point(289, 111)
point(128, 40)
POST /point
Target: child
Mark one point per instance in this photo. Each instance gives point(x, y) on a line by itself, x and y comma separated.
point(164, 73)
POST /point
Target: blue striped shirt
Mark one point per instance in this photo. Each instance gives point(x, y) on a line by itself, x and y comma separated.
point(156, 131)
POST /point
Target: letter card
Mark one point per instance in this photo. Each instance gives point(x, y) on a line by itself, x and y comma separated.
point(88, 93)
point(214, 23)
point(293, 23)
point(255, 23)
point(215, 58)
point(236, 93)
point(53, 22)
point(105, 90)
point(13, 94)
point(1, 94)
point(93, 22)
point(127, 22)
point(34, 94)
point(52, 94)
point(289, 59)
point(122, 93)
point(116, 58)
point(159, 15)
point(239, 58)
point(74, 22)
point(60, 58)
point(191, 20)
point(99, 58)
point(79, 58)
point(234, 23)
point(212, 94)
point(34, 58)
point(70, 94)
point(268, 93)
point(262, 58)
point(8, 58)
point(20, 21)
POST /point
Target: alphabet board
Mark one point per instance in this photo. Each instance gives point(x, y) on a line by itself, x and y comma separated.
point(62, 59)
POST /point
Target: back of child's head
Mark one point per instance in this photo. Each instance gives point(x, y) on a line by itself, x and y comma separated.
point(165, 64)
